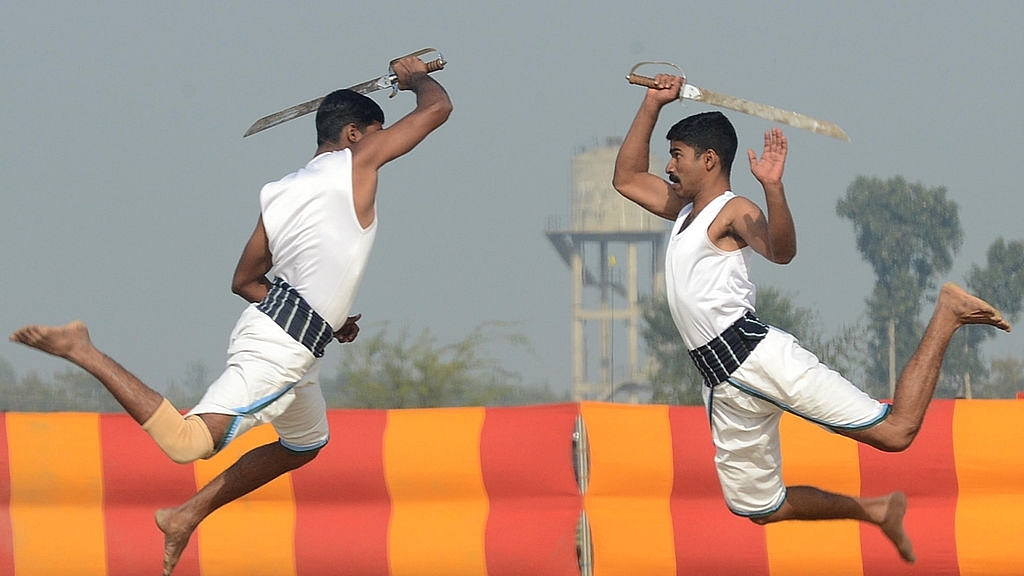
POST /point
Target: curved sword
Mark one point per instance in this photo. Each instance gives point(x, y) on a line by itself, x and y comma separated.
point(794, 119)
point(389, 80)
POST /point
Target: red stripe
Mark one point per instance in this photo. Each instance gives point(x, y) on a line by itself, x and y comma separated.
point(709, 539)
point(526, 457)
point(926, 472)
point(341, 500)
point(6, 535)
point(139, 479)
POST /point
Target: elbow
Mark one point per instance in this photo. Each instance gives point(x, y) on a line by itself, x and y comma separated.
point(440, 111)
point(785, 257)
point(240, 285)
point(620, 182)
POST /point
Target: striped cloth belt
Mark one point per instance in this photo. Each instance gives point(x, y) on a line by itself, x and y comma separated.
point(290, 311)
point(720, 357)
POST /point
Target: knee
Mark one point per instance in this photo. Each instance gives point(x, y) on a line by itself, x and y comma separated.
point(898, 439)
point(895, 445)
point(301, 457)
point(183, 440)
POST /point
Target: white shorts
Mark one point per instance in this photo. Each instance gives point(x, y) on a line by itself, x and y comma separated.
point(778, 376)
point(269, 378)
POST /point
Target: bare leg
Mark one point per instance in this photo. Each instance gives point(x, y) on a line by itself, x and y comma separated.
point(72, 343)
point(254, 469)
point(916, 386)
point(886, 512)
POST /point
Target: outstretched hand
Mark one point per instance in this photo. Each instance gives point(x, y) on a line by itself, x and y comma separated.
point(768, 169)
point(349, 330)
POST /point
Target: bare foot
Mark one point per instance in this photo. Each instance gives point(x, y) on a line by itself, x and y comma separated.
point(892, 525)
point(62, 341)
point(970, 309)
point(175, 538)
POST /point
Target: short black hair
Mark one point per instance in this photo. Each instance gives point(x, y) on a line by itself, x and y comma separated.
point(707, 131)
point(341, 108)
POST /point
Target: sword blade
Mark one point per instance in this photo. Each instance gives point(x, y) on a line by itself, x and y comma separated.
point(794, 119)
point(298, 110)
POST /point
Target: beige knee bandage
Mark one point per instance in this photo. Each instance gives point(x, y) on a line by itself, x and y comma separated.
point(184, 440)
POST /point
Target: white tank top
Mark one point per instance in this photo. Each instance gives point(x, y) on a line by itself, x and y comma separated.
point(708, 288)
point(317, 243)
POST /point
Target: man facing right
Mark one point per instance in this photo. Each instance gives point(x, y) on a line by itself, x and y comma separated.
point(753, 372)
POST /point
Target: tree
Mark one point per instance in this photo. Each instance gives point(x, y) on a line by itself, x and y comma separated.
point(674, 379)
point(8, 377)
point(377, 372)
point(1000, 283)
point(191, 389)
point(908, 234)
point(84, 392)
point(1006, 379)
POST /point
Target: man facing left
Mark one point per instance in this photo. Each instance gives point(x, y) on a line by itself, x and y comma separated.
point(316, 229)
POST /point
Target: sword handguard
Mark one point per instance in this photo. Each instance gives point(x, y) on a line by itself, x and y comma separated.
point(432, 66)
point(647, 81)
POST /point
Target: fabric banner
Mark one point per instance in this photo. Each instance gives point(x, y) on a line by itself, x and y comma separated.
point(496, 492)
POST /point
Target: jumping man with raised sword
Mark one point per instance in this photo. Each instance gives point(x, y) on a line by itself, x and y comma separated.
point(315, 230)
point(753, 372)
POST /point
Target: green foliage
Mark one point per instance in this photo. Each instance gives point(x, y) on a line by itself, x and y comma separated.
point(379, 372)
point(1005, 380)
point(902, 228)
point(191, 389)
point(908, 234)
point(72, 391)
point(673, 376)
point(1000, 283)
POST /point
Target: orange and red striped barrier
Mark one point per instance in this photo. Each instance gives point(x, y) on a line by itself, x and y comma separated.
point(494, 491)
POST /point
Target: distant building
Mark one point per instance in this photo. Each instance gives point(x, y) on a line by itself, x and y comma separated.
point(614, 250)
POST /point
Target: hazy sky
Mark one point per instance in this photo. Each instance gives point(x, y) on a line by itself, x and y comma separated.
point(128, 191)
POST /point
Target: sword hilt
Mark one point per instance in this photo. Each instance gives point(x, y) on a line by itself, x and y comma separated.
point(432, 66)
point(645, 81)
point(436, 64)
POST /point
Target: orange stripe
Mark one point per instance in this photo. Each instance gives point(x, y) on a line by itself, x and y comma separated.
point(56, 494)
point(256, 533)
point(987, 444)
point(812, 456)
point(439, 503)
point(628, 497)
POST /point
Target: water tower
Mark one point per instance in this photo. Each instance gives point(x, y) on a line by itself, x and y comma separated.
point(614, 249)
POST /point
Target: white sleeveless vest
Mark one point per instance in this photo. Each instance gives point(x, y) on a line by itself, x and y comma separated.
point(708, 288)
point(317, 243)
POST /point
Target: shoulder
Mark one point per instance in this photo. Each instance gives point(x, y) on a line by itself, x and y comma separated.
point(740, 206)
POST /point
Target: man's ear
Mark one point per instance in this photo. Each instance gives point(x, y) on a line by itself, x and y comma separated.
point(351, 134)
point(710, 159)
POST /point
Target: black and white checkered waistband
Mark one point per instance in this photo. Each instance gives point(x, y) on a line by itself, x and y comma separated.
point(720, 357)
point(290, 311)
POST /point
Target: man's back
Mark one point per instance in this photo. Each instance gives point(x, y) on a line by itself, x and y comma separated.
point(317, 243)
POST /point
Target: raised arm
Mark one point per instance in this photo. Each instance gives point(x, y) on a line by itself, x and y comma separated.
point(632, 177)
point(432, 109)
point(378, 147)
point(773, 236)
